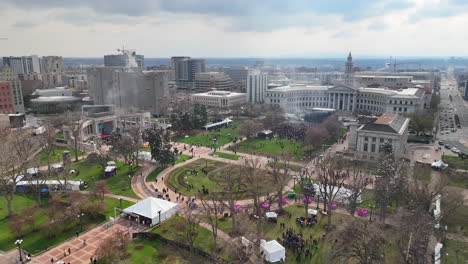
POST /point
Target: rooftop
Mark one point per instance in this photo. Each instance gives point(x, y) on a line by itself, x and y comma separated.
point(387, 123)
point(298, 87)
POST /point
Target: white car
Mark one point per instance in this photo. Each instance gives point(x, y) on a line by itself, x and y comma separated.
point(455, 150)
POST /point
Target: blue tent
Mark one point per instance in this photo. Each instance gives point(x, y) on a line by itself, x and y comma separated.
point(44, 190)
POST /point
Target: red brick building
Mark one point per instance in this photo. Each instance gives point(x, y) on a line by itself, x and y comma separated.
point(6, 98)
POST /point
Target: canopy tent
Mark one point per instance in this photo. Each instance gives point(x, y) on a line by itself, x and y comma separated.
point(437, 255)
point(57, 166)
point(224, 122)
point(438, 164)
point(273, 251)
point(312, 212)
point(110, 171)
point(52, 184)
point(271, 215)
point(154, 209)
point(341, 194)
point(111, 163)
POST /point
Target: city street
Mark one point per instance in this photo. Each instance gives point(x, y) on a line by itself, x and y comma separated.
point(448, 109)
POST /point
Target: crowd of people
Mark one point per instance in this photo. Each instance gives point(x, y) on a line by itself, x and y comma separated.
point(298, 243)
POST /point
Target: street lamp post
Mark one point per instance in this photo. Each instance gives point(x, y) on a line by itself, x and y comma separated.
point(371, 210)
point(130, 180)
point(18, 243)
point(120, 200)
point(318, 201)
point(80, 217)
point(159, 217)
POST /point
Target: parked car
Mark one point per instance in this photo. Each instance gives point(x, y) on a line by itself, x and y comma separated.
point(454, 129)
point(455, 150)
point(447, 146)
point(441, 143)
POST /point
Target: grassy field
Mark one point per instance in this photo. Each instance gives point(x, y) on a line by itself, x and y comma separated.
point(457, 221)
point(55, 156)
point(171, 229)
point(282, 165)
point(321, 255)
point(156, 252)
point(454, 178)
point(455, 162)
point(205, 138)
point(118, 184)
point(225, 155)
point(192, 174)
point(35, 241)
point(454, 252)
point(152, 176)
point(267, 147)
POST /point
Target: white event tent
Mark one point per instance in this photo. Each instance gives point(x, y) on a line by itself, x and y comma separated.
point(152, 209)
point(273, 251)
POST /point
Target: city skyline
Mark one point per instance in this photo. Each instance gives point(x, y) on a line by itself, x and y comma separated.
point(419, 28)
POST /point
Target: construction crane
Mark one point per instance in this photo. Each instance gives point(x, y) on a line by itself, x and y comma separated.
point(394, 65)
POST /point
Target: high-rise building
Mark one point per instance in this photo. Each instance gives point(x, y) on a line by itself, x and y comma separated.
point(129, 88)
point(184, 70)
point(8, 75)
point(23, 65)
point(6, 98)
point(348, 77)
point(205, 81)
point(128, 58)
point(257, 84)
point(239, 75)
point(53, 69)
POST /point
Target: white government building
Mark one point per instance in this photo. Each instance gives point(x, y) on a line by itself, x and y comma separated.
point(347, 97)
point(221, 99)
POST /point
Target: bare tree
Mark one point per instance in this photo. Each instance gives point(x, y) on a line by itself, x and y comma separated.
point(315, 136)
point(17, 147)
point(212, 207)
point(232, 188)
point(113, 248)
point(258, 188)
point(358, 241)
point(356, 183)
point(189, 227)
point(273, 119)
point(331, 179)
point(100, 189)
point(249, 128)
point(280, 177)
point(74, 122)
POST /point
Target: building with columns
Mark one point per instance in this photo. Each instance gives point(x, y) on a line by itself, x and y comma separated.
point(219, 99)
point(346, 99)
point(365, 141)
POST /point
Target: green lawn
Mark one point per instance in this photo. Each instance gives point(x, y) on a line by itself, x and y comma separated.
point(118, 184)
point(170, 229)
point(456, 221)
point(283, 165)
point(144, 251)
point(455, 162)
point(55, 156)
point(205, 138)
point(454, 178)
point(154, 174)
point(454, 252)
point(321, 255)
point(60, 135)
point(35, 241)
point(183, 158)
point(192, 174)
point(422, 173)
point(270, 147)
point(225, 155)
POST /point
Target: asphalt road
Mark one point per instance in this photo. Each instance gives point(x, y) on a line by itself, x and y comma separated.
point(449, 108)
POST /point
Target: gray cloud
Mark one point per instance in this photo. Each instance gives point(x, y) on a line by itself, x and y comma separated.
point(24, 24)
point(244, 15)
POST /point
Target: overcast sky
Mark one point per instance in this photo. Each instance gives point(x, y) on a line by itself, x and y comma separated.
point(235, 28)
